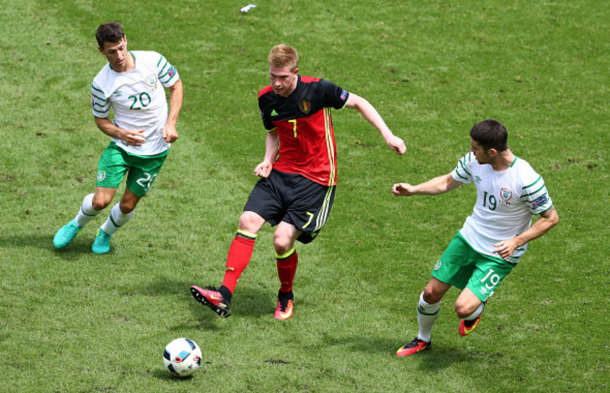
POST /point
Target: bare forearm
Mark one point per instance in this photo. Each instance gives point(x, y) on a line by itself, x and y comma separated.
point(271, 146)
point(546, 221)
point(436, 186)
point(371, 115)
point(108, 127)
point(130, 137)
point(176, 96)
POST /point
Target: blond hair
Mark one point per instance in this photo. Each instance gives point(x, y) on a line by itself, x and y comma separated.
point(284, 56)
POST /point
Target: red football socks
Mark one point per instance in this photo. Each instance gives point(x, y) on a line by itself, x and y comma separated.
point(239, 257)
point(286, 269)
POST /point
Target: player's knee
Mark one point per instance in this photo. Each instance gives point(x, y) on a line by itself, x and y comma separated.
point(282, 243)
point(127, 207)
point(99, 203)
point(432, 295)
point(248, 222)
point(464, 310)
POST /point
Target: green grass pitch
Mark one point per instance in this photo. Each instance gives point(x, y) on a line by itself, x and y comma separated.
point(71, 321)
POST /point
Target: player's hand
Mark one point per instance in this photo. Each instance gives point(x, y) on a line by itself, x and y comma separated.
point(397, 144)
point(263, 169)
point(506, 248)
point(403, 189)
point(170, 135)
point(133, 137)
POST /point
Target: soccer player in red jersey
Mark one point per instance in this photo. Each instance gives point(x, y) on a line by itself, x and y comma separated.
point(296, 190)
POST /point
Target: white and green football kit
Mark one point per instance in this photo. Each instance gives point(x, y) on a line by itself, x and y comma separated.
point(506, 203)
point(137, 98)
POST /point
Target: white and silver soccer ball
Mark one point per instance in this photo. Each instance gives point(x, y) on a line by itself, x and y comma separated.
point(182, 357)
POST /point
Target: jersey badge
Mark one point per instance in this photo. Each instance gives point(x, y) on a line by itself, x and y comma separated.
point(305, 106)
point(92, 101)
point(273, 113)
point(101, 175)
point(151, 82)
point(438, 265)
point(506, 194)
point(343, 95)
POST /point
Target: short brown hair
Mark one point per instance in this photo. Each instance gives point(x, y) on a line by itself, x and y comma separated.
point(109, 32)
point(284, 56)
point(491, 134)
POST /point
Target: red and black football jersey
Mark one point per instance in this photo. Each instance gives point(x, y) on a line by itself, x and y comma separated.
point(305, 127)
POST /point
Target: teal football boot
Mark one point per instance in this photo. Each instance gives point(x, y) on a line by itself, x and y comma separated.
point(101, 245)
point(64, 236)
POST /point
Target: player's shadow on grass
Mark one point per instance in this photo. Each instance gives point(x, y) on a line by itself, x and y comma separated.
point(441, 358)
point(164, 374)
point(44, 241)
point(429, 361)
point(248, 302)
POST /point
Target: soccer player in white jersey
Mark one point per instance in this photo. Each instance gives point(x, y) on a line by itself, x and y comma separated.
point(493, 238)
point(132, 84)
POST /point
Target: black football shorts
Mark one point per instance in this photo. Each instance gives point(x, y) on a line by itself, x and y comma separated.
point(293, 199)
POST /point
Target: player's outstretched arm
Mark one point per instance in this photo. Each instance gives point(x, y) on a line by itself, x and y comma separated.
point(372, 116)
point(271, 149)
point(547, 220)
point(438, 185)
point(131, 137)
point(170, 135)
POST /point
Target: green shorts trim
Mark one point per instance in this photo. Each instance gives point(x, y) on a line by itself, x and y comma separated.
point(464, 267)
point(143, 170)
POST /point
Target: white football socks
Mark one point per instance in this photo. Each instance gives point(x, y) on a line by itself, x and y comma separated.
point(116, 219)
point(86, 212)
point(426, 315)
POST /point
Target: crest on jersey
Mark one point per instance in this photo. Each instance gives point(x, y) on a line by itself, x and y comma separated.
point(151, 82)
point(438, 265)
point(506, 194)
point(101, 175)
point(305, 106)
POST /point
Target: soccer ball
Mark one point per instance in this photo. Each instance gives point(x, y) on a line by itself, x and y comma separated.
point(182, 357)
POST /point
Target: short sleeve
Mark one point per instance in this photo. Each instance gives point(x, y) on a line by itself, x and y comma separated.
point(167, 73)
point(334, 96)
point(269, 126)
point(461, 172)
point(99, 102)
point(536, 196)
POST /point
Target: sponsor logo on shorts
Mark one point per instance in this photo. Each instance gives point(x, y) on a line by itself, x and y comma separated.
point(305, 106)
point(540, 201)
point(101, 175)
point(438, 265)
